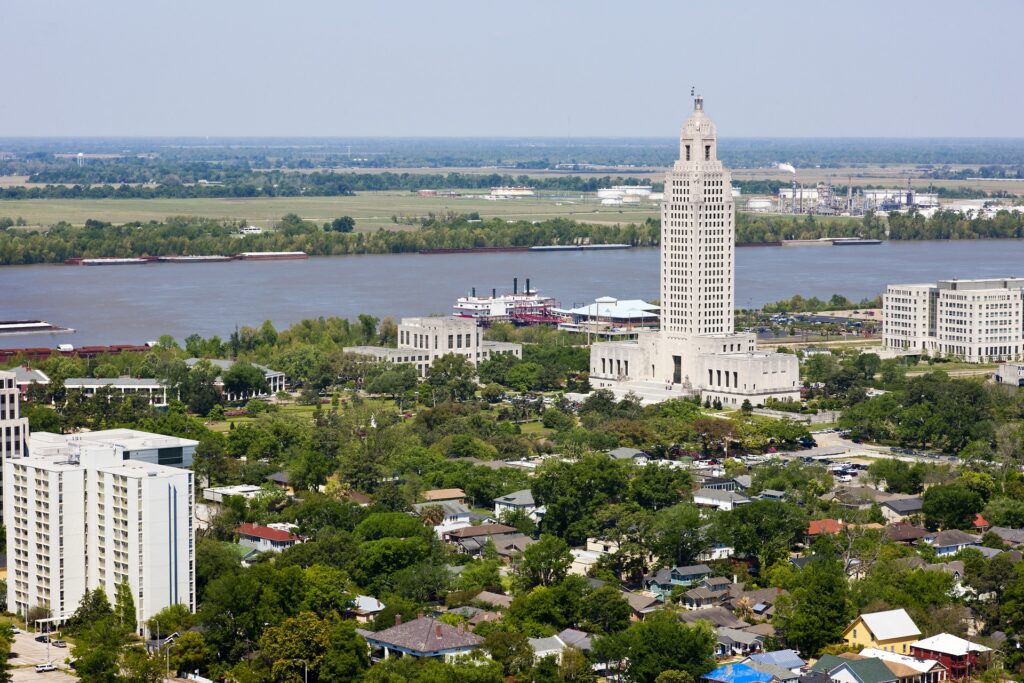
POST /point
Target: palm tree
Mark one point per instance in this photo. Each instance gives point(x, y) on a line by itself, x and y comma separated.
point(432, 515)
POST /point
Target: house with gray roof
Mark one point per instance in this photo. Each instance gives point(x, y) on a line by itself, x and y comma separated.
point(422, 637)
point(854, 670)
point(787, 659)
point(951, 541)
point(720, 500)
point(735, 643)
point(1011, 537)
point(898, 509)
point(664, 580)
point(518, 501)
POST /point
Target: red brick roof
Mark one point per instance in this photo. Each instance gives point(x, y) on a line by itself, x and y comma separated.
point(267, 533)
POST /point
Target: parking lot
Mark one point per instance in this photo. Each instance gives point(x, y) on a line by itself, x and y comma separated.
point(26, 653)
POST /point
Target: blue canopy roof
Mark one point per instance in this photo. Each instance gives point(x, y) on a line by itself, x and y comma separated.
point(737, 673)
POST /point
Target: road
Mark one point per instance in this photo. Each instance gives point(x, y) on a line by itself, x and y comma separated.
point(865, 450)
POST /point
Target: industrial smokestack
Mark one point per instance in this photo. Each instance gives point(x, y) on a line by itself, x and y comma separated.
point(474, 292)
point(527, 285)
point(515, 285)
point(494, 292)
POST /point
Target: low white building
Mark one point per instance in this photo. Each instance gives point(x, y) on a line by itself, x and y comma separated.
point(88, 518)
point(217, 494)
point(978, 321)
point(720, 500)
point(421, 341)
point(153, 390)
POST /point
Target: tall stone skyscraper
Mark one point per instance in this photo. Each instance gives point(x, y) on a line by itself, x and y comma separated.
point(697, 350)
point(697, 235)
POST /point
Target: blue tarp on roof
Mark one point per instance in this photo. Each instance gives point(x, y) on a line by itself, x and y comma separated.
point(737, 673)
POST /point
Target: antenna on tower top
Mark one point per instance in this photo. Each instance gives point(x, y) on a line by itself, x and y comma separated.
point(693, 90)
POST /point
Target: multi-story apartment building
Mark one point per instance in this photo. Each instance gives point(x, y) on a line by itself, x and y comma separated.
point(13, 427)
point(422, 340)
point(977, 320)
point(87, 518)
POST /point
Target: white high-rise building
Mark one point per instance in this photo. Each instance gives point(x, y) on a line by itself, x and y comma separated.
point(979, 321)
point(83, 518)
point(13, 427)
point(697, 349)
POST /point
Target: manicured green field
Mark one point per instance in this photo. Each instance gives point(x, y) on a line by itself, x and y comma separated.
point(372, 210)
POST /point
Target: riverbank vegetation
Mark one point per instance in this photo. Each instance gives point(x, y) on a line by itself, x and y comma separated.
point(184, 235)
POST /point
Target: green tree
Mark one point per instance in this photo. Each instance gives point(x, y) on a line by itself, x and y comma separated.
point(451, 378)
point(605, 610)
point(190, 653)
point(346, 658)
point(661, 642)
point(124, 608)
point(511, 649)
point(679, 535)
point(950, 506)
point(343, 224)
point(298, 643)
point(819, 607)
point(173, 618)
point(543, 563)
point(6, 643)
point(138, 666)
point(245, 379)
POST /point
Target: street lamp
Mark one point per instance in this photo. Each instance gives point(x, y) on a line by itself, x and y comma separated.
point(305, 668)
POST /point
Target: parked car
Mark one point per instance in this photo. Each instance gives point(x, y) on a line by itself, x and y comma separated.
point(43, 668)
point(59, 643)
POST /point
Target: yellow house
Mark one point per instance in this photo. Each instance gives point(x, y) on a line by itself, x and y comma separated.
point(892, 631)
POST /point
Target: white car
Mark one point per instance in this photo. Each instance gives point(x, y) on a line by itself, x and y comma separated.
point(43, 668)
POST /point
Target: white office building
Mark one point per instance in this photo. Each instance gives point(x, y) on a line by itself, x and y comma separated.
point(979, 321)
point(422, 340)
point(697, 349)
point(88, 519)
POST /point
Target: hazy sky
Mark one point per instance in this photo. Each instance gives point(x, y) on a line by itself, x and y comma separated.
point(529, 67)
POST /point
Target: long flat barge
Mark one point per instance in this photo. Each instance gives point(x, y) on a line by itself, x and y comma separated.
point(199, 258)
point(9, 327)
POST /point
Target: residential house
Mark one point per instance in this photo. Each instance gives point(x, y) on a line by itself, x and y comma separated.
point(273, 538)
point(924, 670)
point(581, 640)
point(664, 580)
point(508, 541)
point(552, 646)
point(736, 673)
point(760, 602)
point(717, 551)
point(494, 600)
point(979, 523)
point(712, 591)
point(718, 617)
point(1011, 537)
point(743, 482)
point(641, 603)
point(736, 643)
point(819, 527)
point(778, 673)
point(854, 670)
point(719, 500)
point(771, 494)
point(453, 515)
point(787, 659)
point(365, 608)
point(518, 501)
point(583, 561)
point(904, 532)
point(422, 637)
point(441, 495)
point(951, 541)
point(899, 509)
point(283, 481)
point(960, 657)
point(892, 630)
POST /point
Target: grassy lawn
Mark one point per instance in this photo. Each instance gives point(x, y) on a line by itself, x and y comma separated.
point(536, 429)
point(371, 210)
